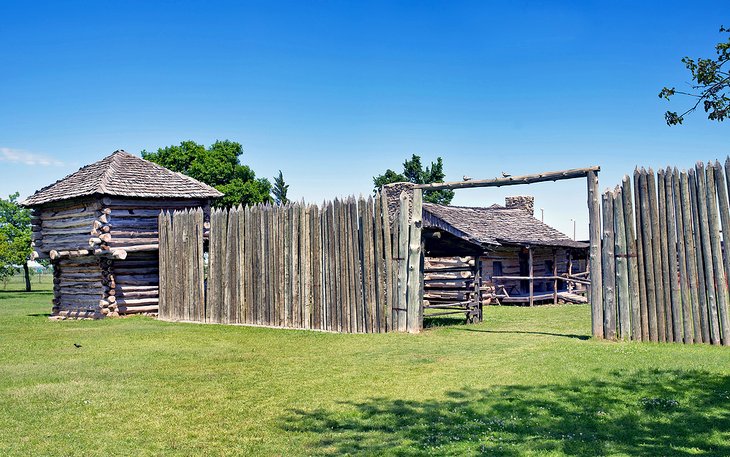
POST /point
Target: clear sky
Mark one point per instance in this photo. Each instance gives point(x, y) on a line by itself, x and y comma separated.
point(333, 93)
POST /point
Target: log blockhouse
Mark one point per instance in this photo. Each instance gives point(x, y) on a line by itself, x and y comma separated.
point(99, 228)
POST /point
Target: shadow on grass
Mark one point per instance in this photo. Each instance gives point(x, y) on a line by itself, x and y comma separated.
point(442, 321)
point(646, 413)
point(522, 332)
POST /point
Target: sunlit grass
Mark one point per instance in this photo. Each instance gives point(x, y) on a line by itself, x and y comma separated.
point(527, 381)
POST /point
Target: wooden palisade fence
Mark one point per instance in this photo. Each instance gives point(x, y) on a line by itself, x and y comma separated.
point(664, 269)
point(344, 267)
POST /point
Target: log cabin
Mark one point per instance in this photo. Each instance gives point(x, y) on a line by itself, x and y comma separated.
point(503, 252)
point(98, 226)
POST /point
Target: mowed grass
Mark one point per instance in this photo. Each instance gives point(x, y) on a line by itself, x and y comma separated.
point(524, 382)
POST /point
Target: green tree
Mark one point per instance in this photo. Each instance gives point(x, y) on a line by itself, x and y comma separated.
point(414, 172)
point(15, 234)
point(218, 166)
point(710, 85)
point(280, 189)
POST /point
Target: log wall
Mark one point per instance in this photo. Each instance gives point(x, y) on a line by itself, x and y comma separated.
point(342, 267)
point(665, 270)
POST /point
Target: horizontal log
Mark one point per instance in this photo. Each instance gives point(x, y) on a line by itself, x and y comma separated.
point(54, 254)
point(512, 180)
point(130, 287)
point(129, 302)
point(138, 309)
point(435, 276)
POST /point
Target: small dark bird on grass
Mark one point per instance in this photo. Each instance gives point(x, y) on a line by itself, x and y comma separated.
point(77, 345)
point(506, 175)
point(467, 178)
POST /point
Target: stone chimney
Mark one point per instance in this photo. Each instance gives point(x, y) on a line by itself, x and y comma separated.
point(526, 202)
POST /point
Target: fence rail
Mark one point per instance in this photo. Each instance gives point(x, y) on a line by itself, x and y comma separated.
point(343, 267)
point(664, 268)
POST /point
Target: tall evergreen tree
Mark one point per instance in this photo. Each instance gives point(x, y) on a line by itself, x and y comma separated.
point(280, 189)
point(414, 172)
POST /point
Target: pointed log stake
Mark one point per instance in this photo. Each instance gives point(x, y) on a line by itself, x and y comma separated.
point(634, 291)
point(702, 205)
point(716, 246)
point(671, 222)
point(700, 312)
point(622, 268)
point(649, 270)
point(724, 206)
point(664, 249)
point(643, 294)
point(681, 210)
point(608, 268)
point(657, 255)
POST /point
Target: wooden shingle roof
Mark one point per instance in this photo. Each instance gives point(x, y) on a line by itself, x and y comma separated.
point(125, 175)
point(495, 225)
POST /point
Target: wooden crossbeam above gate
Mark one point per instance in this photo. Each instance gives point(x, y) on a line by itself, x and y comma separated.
point(512, 180)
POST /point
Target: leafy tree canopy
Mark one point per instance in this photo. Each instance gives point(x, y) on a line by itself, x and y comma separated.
point(218, 166)
point(710, 87)
point(15, 234)
point(414, 172)
point(280, 190)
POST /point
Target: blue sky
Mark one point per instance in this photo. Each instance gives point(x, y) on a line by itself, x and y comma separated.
point(333, 93)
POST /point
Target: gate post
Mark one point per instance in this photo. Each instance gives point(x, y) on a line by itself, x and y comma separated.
point(594, 231)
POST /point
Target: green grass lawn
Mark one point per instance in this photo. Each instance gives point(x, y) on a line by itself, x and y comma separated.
point(524, 382)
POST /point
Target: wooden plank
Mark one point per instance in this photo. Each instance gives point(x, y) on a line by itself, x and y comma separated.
point(649, 272)
point(708, 264)
point(415, 265)
point(623, 293)
point(641, 267)
point(701, 311)
point(608, 268)
point(594, 231)
point(657, 255)
point(724, 209)
point(632, 266)
point(664, 249)
point(717, 261)
point(685, 287)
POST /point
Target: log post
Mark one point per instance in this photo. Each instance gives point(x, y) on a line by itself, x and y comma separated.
point(608, 268)
point(531, 274)
point(594, 229)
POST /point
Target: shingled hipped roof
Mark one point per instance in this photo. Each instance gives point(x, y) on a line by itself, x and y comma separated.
point(125, 175)
point(495, 225)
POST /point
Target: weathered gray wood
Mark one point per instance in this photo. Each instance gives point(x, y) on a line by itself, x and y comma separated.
point(415, 265)
point(632, 266)
point(704, 221)
point(514, 180)
point(381, 278)
point(623, 298)
point(643, 292)
point(388, 262)
point(701, 311)
point(664, 249)
point(608, 268)
point(657, 255)
point(403, 243)
point(531, 274)
point(673, 256)
point(594, 230)
point(685, 285)
point(724, 210)
point(717, 262)
point(648, 255)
